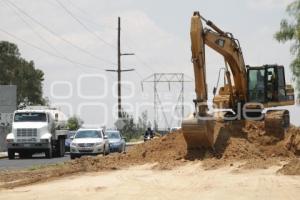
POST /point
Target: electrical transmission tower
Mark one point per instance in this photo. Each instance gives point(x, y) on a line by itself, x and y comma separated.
point(169, 78)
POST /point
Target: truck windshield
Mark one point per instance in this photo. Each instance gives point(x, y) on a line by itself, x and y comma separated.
point(30, 117)
point(88, 134)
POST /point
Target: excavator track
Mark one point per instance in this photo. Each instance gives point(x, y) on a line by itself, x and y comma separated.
point(276, 122)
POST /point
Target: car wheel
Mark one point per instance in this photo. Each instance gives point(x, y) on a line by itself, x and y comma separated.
point(72, 156)
point(104, 151)
point(108, 150)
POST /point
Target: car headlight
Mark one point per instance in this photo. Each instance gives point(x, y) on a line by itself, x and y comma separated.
point(44, 140)
point(98, 143)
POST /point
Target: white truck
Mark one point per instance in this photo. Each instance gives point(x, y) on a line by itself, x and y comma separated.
point(37, 130)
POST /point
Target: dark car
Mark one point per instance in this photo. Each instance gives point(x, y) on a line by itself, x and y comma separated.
point(116, 141)
point(69, 140)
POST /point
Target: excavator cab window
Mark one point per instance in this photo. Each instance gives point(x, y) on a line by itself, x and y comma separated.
point(256, 85)
point(272, 90)
point(281, 84)
point(266, 84)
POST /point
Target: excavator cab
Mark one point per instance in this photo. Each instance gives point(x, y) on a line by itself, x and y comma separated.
point(266, 85)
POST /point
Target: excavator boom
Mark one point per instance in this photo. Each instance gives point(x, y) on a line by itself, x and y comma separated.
point(201, 129)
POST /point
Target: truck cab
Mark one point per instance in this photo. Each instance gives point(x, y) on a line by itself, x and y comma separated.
point(36, 131)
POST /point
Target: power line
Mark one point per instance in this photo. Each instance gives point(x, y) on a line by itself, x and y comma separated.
point(58, 55)
point(86, 13)
point(33, 30)
point(166, 78)
point(83, 11)
point(83, 25)
point(97, 25)
point(75, 63)
point(139, 58)
point(47, 52)
point(56, 35)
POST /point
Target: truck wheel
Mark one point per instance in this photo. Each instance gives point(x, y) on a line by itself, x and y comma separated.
point(60, 148)
point(22, 155)
point(72, 156)
point(63, 147)
point(11, 154)
point(48, 153)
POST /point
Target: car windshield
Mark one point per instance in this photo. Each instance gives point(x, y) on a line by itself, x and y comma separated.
point(113, 135)
point(88, 134)
point(30, 117)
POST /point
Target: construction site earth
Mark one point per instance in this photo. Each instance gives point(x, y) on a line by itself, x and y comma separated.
point(251, 165)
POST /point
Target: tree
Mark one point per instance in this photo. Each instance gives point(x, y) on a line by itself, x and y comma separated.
point(74, 123)
point(15, 70)
point(290, 31)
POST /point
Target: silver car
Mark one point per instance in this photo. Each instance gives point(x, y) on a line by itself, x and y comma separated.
point(89, 142)
point(116, 141)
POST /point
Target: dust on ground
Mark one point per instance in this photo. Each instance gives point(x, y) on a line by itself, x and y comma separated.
point(249, 146)
point(189, 181)
point(291, 168)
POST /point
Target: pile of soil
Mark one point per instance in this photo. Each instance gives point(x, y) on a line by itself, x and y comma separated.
point(249, 145)
point(292, 168)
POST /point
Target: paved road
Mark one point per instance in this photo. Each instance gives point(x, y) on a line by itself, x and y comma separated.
point(36, 160)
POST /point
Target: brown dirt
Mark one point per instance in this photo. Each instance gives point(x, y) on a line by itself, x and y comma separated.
point(292, 168)
point(249, 145)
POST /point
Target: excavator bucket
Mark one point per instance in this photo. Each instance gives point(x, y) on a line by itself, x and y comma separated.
point(199, 133)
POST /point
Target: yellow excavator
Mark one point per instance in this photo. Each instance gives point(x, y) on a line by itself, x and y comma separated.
point(245, 95)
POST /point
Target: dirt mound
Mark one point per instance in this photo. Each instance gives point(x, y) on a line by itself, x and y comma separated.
point(252, 143)
point(248, 144)
point(293, 140)
point(292, 168)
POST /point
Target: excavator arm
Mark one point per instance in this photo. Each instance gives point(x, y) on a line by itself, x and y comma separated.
point(229, 48)
point(198, 130)
point(198, 59)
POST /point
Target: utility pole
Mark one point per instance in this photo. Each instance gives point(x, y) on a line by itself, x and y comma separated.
point(119, 70)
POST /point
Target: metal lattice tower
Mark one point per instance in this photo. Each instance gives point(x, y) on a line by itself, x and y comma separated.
point(169, 78)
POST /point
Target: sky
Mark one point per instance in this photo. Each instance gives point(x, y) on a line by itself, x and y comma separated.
point(74, 41)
